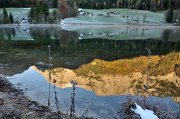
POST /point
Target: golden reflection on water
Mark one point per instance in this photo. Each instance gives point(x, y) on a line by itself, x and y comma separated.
point(106, 84)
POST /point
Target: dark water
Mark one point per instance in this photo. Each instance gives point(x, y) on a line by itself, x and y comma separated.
point(128, 42)
point(73, 46)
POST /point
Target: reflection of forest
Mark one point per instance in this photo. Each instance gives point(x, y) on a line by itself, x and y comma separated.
point(84, 32)
point(86, 50)
point(69, 52)
point(7, 33)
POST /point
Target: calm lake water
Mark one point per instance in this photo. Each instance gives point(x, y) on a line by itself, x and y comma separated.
point(25, 50)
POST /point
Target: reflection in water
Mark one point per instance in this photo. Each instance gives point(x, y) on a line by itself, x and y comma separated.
point(49, 65)
point(49, 87)
point(98, 106)
point(69, 33)
point(85, 49)
point(7, 34)
point(107, 84)
point(70, 52)
point(72, 108)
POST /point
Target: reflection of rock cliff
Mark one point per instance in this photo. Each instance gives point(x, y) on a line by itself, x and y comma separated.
point(101, 85)
point(106, 84)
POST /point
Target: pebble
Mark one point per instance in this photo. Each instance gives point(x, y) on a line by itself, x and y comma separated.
point(29, 113)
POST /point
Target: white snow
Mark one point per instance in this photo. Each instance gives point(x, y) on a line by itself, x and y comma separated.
point(144, 113)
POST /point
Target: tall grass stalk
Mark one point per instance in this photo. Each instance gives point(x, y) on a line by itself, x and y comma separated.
point(72, 108)
point(50, 58)
point(57, 102)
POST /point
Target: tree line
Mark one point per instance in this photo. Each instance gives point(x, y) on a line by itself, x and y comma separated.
point(26, 3)
point(99, 4)
point(132, 4)
point(6, 18)
point(39, 13)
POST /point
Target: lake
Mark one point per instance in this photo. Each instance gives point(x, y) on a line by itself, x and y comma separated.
point(109, 63)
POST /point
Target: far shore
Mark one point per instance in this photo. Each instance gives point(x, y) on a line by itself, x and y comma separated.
point(94, 25)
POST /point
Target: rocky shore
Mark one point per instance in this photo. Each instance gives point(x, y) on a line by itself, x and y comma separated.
point(15, 105)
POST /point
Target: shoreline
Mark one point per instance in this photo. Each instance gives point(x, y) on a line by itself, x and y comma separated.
point(89, 24)
point(14, 104)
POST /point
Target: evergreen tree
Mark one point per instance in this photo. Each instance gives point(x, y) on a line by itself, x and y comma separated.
point(44, 10)
point(5, 17)
point(11, 19)
point(170, 15)
point(54, 15)
point(39, 13)
point(31, 13)
point(55, 3)
point(149, 4)
point(166, 4)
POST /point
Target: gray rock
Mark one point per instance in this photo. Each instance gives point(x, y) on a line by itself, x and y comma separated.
point(29, 113)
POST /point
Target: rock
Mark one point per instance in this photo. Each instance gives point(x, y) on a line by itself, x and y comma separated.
point(29, 113)
point(1, 101)
point(32, 107)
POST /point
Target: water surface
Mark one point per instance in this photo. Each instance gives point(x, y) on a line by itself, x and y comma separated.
point(25, 50)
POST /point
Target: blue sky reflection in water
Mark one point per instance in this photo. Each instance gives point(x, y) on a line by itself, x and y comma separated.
point(36, 87)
